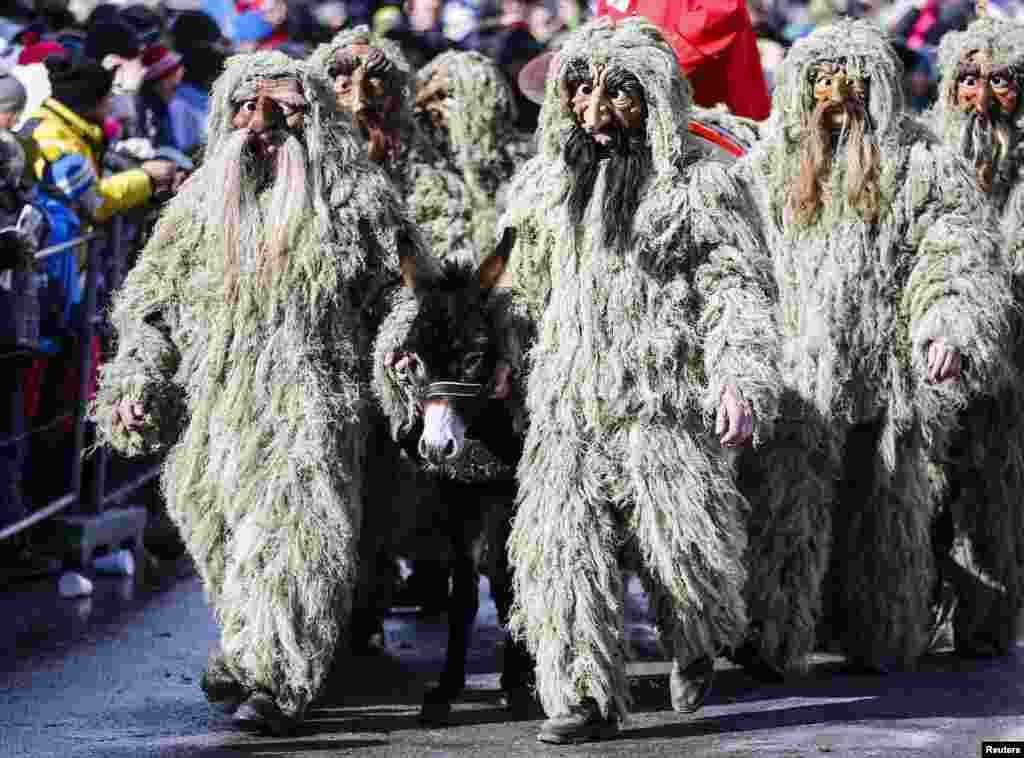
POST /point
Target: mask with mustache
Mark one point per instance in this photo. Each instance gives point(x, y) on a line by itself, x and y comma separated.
point(266, 153)
point(434, 100)
point(368, 87)
point(988, 98)
point(610, 132)
point(839, 124)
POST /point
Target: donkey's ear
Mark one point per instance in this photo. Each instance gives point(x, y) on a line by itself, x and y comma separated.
point(407, 265)
point(493, 266)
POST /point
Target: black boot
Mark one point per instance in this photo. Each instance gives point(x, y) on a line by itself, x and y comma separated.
point(689, 687)
point(584, 724)
point(259, 713)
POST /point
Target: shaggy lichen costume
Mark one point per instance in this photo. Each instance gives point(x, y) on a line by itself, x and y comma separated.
point(980, 528)
point(436, 196)
point(468, 111)
point(880, 261)
point(987, 50)
point(253, 370)
point(634, 345)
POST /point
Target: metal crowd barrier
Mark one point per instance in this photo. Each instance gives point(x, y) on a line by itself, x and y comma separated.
point(92, 521)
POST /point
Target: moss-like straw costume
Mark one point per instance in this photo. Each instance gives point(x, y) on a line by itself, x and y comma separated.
point(860, 303)
point(1003, 43)
point(261, 398)
point(436, 197)
point(981, 522)
point(632, 350)
point(485, 146)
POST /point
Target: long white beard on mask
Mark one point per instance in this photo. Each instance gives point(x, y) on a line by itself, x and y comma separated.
point(985, 142)
point(240, 189)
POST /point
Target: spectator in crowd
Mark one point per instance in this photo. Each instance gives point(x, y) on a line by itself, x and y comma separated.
point(420, 32)
point(19, 332)
point(164, 72)
point(116, 45)
point(13, 97)
point(69, 134)
point(204, 50)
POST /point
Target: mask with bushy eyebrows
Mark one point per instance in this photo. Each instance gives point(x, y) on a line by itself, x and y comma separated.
point(608, 102)
point(270, 110)
point(610, 113)
point(366, 82)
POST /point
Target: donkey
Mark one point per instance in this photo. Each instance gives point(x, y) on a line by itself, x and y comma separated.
point(465, 435)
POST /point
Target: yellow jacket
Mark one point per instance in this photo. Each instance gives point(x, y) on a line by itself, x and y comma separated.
point(60, 132)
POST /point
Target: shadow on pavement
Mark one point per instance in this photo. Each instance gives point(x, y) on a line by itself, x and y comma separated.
point(944, 687)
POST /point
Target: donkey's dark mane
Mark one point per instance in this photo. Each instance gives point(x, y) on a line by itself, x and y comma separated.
point(456, 275)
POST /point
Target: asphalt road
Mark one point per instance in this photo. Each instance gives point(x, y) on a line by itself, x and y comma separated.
point(116, 676)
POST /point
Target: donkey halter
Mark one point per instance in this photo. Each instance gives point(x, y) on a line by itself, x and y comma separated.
point(456, 390)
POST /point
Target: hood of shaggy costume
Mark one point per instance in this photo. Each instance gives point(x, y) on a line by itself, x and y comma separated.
point(867, 54)
point(634, 45)
point(1003, 42)
point(346, 198)
point(481, 134)
point(322, 58)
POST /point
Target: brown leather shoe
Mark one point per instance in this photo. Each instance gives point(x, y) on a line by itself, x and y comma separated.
point(584, 724)
point(690, 686)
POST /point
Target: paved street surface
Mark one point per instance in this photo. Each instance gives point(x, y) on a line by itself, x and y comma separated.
point(116, 676)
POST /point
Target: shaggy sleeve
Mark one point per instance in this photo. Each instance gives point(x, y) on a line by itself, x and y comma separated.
point(519, 299)
point(1013, 230)
point(958, 287)
point(143, 369)
point(737, 322)
point(396, 391)
point(390, 308)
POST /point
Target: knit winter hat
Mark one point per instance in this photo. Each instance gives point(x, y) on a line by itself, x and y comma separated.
point(159, 62)
point(193, 28)
point(12, 94)
point(78, 82)
point(72, 178)
point(39, 52)
point(112, 37)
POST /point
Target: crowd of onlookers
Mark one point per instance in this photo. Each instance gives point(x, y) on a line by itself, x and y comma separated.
point(103, 109)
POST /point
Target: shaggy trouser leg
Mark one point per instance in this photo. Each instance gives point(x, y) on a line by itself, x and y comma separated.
point(516, 663)
point(983, 558)
point(681, 508)
point(277, 559)
point(568, 584)
point(688, 521)
point(377, 571)
point(883, 542)
point(789, 484)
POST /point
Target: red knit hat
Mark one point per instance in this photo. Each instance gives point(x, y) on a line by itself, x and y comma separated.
point(159, 62)
point(38, 52)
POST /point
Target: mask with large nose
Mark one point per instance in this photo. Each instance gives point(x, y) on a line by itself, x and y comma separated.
point(988, 99)
point(986, 89)
point(606, 102)
point(365, 83)
point(270, 110)
point(837, 92)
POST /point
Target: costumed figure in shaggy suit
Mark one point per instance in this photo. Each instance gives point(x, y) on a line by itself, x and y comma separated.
point(887, 284)
point(467, 109)
point(244, 338)
point(375, 86)
point(979, 530)
point(642, 279)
